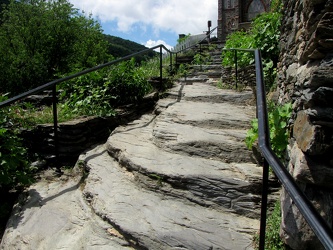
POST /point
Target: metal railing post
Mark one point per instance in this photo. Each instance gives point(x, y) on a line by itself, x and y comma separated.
point(170, 62)
point(236, 67)
point(161, 62)
point(264, 199)
point(55, 124)
point(200, 58)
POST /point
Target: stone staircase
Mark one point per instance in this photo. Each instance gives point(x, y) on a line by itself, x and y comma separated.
point(178, 178)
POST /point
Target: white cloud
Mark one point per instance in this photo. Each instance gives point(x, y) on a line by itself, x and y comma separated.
point(179, 16)
point(151, 43)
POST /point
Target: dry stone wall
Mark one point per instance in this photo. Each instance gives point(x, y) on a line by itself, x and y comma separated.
point(80, 134)
point(305, 78)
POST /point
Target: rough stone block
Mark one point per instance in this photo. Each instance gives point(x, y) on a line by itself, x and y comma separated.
point(312, 138)
point(307, 171)
point(295, 231)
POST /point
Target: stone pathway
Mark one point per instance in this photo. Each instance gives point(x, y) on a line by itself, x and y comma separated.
point(178, 178)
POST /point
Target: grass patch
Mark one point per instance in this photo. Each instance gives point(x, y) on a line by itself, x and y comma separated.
point(272, 237)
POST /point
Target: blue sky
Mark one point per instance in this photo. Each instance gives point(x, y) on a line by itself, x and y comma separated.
point(151, 22)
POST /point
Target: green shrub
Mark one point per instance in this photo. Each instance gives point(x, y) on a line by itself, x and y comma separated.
point(272, 237)
point(98, 92)
point(87, 95)
point(241, 40)
point(14, 166)
point(264, 35)
point(127, 83)
point(278, 117)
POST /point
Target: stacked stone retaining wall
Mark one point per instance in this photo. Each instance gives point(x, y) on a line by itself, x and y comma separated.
point(305, 78)
point(76, 136)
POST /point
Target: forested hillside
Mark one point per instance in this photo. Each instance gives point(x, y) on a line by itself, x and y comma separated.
point(119, 47)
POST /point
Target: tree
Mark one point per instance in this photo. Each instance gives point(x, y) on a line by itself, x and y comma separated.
point(40, 40)
point(3, 4)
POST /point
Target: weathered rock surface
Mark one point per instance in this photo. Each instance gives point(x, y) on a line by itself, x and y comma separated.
point(305, 78)
point(177, 178)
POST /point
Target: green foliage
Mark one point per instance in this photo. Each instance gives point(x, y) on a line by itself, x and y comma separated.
point(183, 70)
point(252, 134)
point(14, 167)
point(264, 35)
point(86, 95)
point(127, 82)
point(241, 40)
point(272, 237)
point(42, 39)
point(98, 92)
point(276, 6)
point(151, 67)
point(183, 39)
point(278, 117)
point(201, 58)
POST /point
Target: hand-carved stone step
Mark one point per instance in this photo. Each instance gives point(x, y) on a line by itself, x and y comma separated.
point(201, 141)
point(206, 92)
point(216, 67)
point(180, 178)
point(210, 74)
point(153, 221)
point(181, 154)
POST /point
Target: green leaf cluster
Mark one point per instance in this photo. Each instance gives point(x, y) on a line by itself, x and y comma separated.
point(278, 117)
point(183, 39)
point(201, 58)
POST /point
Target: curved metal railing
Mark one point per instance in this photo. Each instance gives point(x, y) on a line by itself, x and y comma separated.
point(306, 208)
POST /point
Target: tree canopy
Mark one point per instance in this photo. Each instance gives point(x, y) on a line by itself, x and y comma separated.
point(40, 40)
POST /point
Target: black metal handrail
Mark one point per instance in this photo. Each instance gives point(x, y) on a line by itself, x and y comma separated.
point(52, 85)
point(306, 208)
point(57, 81)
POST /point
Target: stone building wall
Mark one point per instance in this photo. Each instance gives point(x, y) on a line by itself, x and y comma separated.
point(305, 78)
point(237, 14)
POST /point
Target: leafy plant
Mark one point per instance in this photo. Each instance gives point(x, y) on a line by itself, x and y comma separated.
point(241, 40)
point(183, 70)
point(98, 92)
point(87, 95)
point(127, 83)
point(264, 35)
point(202, 58)
point(14, 166)
point(272, 237)
point(183, 39)
point(278, 117)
